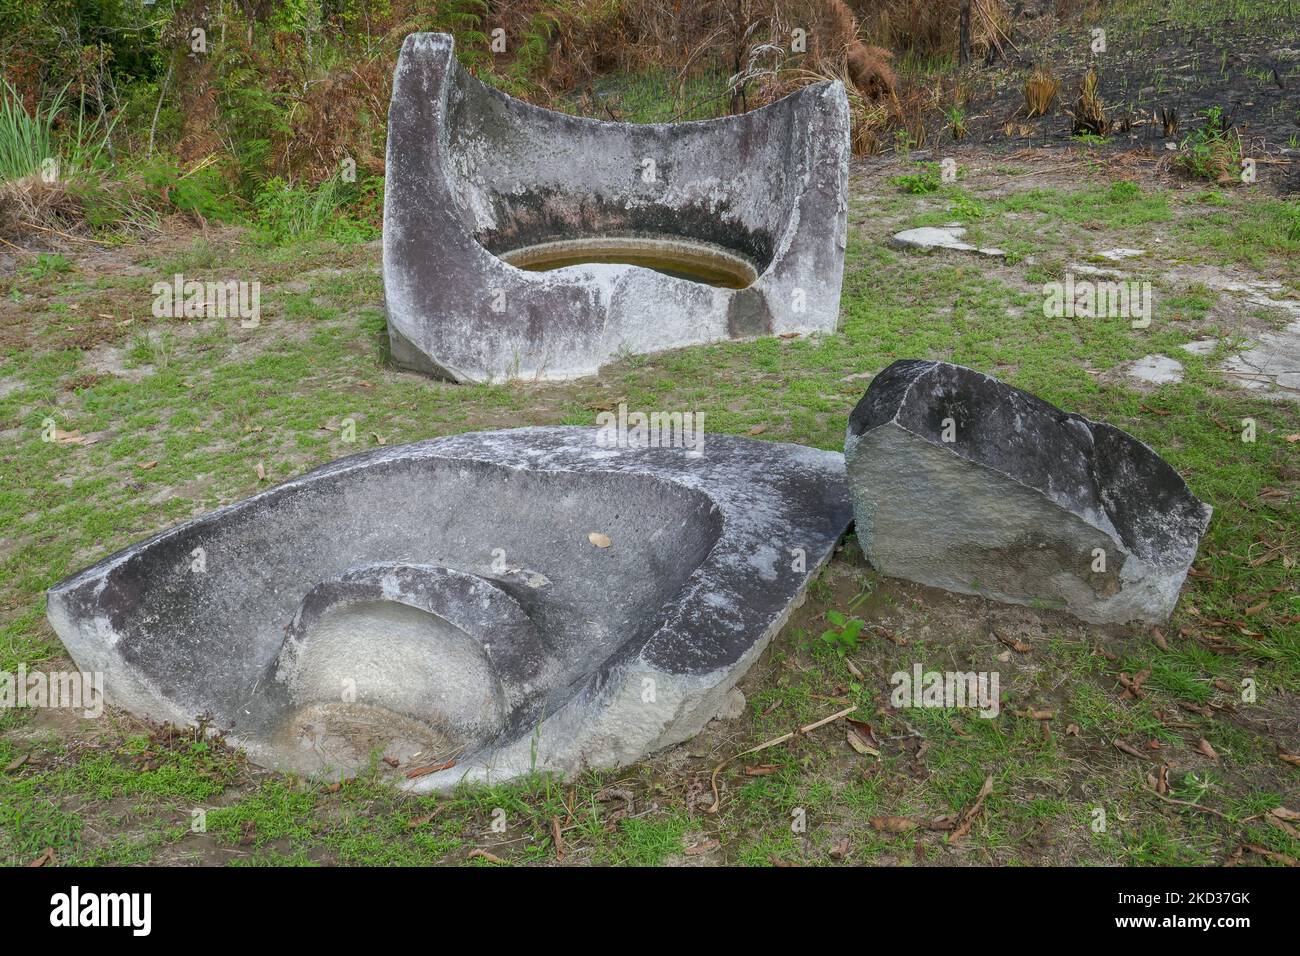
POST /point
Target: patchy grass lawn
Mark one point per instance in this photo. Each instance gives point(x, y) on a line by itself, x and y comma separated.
point(179, 416)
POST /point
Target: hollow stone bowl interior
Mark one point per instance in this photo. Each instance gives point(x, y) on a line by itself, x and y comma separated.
point(445, 599)
point(479, 184)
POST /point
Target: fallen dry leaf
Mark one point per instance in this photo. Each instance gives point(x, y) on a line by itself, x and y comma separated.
point(893, 824)
point(557, 838)
point(599, 540)
point(483, 854)
point(18, 762)
point(261, 471)
point(1281, 824)
point(760, 770)
point(1071, 730)
point(1131, 751)
point(145, 466)
point(859, 743)
point(1270, 854)
point(1036, 714)
point(1204, 747)
point(73, 437)
point(433, 768)
point(705, 846)
point(1019, 646)
point(44, 858)
point(758, 429)
point(1158, 636)
point(967, 819)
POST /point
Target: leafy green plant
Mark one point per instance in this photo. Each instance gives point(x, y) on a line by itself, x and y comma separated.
point(1213, 151)
point(1293, 227)
point(46, 264)
point(956, 122)
point(26, 139)
point(287, 212)
point(925, 180)
point(842, 635)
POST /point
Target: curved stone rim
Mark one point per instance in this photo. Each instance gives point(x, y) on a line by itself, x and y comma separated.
point(771, 498)
point(569, 323)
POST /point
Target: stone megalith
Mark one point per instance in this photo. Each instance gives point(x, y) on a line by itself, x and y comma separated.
point(524, 243)
point(962, 482)
point(472, 607)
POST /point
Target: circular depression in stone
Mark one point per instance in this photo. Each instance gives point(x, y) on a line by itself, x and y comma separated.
point(681, 258)
point(384, 656)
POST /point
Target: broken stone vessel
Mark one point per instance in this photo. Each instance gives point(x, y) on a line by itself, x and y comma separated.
point(490, 601)
point(525, 243)
point(964, 483)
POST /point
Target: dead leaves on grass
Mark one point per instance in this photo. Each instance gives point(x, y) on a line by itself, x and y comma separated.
point(1133, 685)
point(74, 437)
point(1204, 747)
point(958, 827)
point(861, 738)
point(1017, 645)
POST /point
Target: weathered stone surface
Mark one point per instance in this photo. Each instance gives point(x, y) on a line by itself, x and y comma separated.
point(477, 180)
point(939, 237)
point(1155, 370)
point(1022, 500)
point(501, 599)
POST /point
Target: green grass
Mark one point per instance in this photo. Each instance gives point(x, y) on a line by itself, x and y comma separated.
point(209, 401)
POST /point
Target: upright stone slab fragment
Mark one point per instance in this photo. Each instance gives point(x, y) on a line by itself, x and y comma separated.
point(482, 189)
point(962, 482)
point(491, 602)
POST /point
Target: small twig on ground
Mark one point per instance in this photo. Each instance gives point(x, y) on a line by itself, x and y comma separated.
point(65, 235)
point(806, 729)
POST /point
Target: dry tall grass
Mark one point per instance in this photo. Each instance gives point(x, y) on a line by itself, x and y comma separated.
point(1089, 113)
point(1040, 92)
point(929, 28)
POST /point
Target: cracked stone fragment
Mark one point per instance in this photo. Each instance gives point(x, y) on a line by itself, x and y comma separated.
point(962, 482)
point(441, 602)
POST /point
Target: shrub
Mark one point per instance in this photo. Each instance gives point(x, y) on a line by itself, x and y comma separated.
point(1213, 151)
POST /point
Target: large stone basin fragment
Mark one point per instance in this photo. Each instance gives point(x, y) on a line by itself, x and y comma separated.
point(964, 483)
point(482, 189)
point(500, 600)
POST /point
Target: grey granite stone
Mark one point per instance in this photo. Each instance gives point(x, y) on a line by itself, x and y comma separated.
point(476, 181)
point(504, 600)
point(962, 482)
